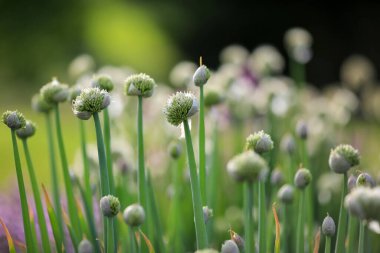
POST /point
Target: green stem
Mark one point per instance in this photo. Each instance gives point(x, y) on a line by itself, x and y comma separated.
point(37, 199)
point(342, 223)
point(328, 244)
point(200, 227)
point(262, 217)
point(352, 233)
point(72, 208)
point(141, 163)
point(248, 224)
point(300, 224)
point(202, 148)
point(24, 204)
point(54, 174)
point(361, 237)
point(297, 72)
point(86, 166)
point(284, 234)
point(132, 240)
point(111, 246)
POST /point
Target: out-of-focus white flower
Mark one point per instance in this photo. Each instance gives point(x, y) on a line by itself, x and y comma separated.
point(82, 64)
point(116, 106)
point(357, 70)
point(118, 74)
point(298, 43)
point(182, 74)
point(266, 60)
point(240, 98)
point(371, 102)
point(328, 185)
point(234, 54)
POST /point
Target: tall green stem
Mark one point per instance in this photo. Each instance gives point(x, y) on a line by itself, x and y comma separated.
point(54, 174)
point(72, 208)
point(361, 237)
point(200, 227)
point(262, 217)
point(297, 72)
point(248, 219)
point(342, 223)
point(328, 244)
point(352, 233)
point(141, 163)
point(24, 204)
point(37, 199)
point(202, 148)
point(300, 224)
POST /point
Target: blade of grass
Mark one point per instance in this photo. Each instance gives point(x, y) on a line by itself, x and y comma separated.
point(11, 245)
point(71, 230)
point(277, 240)
point(147, 241)
point(33, 227)
point(317, 241)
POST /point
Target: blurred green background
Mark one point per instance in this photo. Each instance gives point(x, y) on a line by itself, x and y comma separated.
point(38, 39)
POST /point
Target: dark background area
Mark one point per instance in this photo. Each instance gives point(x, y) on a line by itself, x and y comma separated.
point(38, 39)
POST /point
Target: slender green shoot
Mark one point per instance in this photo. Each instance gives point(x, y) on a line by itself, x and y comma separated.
point(200, 227)
point(361, 237)
point(328, 244)
point(11, 245)
point(202, 148)
point(353, 224)
point(141, 163)
point(248, 219)
point(342, 223)
point(262, 217)
point(300, 224)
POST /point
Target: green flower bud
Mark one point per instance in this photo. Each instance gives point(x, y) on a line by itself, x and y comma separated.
point(109, 205)
point(201, 75)
point(54, 92)
point(342, 158)
point(180, 107)
point(40, 105)
point(302, 178)
point(207, 213)
point(286, 194)
point(139, 85)
point(14, 119)
point(365, 179)
point(328, 226)
point(230, 246)
point(175, 149)
point(213, 97)
point(277, 178)
point(260, 142)
point(27, 131)
point(91, 100)
point(103, 82)
point(134, 215)
point(85, 246)
point(302, 129)
point(246, 166)
point(351, 182)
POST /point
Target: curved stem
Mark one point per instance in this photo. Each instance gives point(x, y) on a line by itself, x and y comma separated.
point(300, 224)
point(361, 237)
point(202, 148)
point(24, 204)
point(37, 199)
point(342, 223)
point(328, 244)
point(248, 219)
point(200, 227)
point(72, 208)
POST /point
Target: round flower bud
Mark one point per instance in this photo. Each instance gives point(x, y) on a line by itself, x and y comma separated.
point(182, 74)
point(27, 131)
point(213, 97)
point(230, 246)
point(180, 107)
point(14, 119)
point(288, 144)
point(365, 179)
point(246, 166)
point(286, 194)
point(364, 202)
point(302, 178)
point(207, 213)
point(54, 92)
point(40, 105)
point(298, 44)
point(110, 206)
point(134, 215)
point(139, 85)
point(328, 226)
point(175, 149)
point(201, 75)
point(85, 246)
point(238, 240)
point(302, 129)
point(90, 100)
point(342, 158)
point(103, 82)
point(259, 142)
point(351, 182)
point(277, 178)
